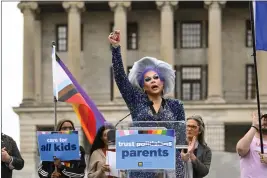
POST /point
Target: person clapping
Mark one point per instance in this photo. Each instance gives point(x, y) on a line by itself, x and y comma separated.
point(197, 159)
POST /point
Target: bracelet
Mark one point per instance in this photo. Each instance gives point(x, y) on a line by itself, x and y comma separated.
point(255, 128)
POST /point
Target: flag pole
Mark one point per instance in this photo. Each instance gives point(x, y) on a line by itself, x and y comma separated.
point(54, 99)
point(55, 112)
point(255, 69)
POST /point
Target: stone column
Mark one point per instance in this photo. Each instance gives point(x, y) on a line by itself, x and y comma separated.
point(120, 23)
point(28, 9)
point(262, 74)
point(215, 87)
point(74, 10)
point(38, 60)
point(167, 9)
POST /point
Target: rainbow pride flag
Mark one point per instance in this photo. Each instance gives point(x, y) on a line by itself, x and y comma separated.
point(66, 89)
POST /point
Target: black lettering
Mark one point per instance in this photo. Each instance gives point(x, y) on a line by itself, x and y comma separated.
point(43, 148)
point(139, 152)
point(56, 147)
point(160, 152)
point(132, 153)
point(165, 153)
point(49, 147)
point(145, 153)
point(153, 153)
point(67, 147)
point(125, 154)
point(73, 147)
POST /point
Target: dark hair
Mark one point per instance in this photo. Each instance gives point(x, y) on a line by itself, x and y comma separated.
point(98, 142)
point(264, 116)
point(60, 123)
point(200, 123)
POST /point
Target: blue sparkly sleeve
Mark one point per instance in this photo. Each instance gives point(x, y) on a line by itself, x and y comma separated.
point(180, 111)
point(179, 165)
point(177, 108)
point(128, 92)
point(180, 116)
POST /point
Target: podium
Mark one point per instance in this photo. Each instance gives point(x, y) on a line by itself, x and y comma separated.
point(147, 147)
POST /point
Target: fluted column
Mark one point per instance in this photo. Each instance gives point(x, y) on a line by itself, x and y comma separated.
point(262, 74)
point(74, 10)
point(38, 59)
point(215, 86)
point(28, 9)
point(167, 9)
point(120, 23)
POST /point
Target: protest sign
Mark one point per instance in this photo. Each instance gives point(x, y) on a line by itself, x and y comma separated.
point(145, 149)
point(63, 145)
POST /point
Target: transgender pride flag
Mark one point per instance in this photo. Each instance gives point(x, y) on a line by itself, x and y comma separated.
point(66, 89)
point(260, 25)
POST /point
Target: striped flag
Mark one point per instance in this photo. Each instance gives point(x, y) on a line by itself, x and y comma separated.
point(260, 25)
point(66, 89)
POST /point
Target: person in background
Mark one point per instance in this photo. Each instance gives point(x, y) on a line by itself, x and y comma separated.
point(10, 156)
point(97, 161)
point(198, 156)
point(148, 82)
point(66, 169)
point(252, 162)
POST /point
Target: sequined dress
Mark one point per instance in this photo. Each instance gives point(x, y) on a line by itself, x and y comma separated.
point(137, 102)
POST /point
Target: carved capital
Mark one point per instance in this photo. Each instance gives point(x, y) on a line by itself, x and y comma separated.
point(172, 5)
point(28, 7)
point(115, 5)
point(214, 4)
point(78, 6)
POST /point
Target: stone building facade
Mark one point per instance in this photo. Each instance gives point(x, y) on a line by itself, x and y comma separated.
point(208, 43)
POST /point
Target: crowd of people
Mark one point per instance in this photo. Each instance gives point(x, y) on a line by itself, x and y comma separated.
point(149, 80)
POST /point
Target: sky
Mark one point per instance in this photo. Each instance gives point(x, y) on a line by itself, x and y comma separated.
point(12, 57)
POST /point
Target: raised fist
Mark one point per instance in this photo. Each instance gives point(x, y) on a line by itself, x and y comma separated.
point(114, 38)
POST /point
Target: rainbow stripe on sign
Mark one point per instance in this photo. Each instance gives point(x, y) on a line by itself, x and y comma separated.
point(58, 132)
point(170, 133)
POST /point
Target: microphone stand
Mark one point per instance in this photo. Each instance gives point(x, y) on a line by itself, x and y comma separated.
point(150, 103)
point(122, 119)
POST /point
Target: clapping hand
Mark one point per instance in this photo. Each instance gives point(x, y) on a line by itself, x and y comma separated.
point(55, 174)
point(185, 156)
point(191, 149)
point(192, 145)
point(57, 162)
point(5, 155)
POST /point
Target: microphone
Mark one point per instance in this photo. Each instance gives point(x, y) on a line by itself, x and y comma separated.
point(149, 103)
point(111, 134)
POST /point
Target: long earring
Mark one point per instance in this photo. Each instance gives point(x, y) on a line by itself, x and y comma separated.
point(144, 90)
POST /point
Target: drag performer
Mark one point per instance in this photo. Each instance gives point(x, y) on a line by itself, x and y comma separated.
point(149, 80)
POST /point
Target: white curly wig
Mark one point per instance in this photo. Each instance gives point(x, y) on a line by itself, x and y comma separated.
point(163, 69)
